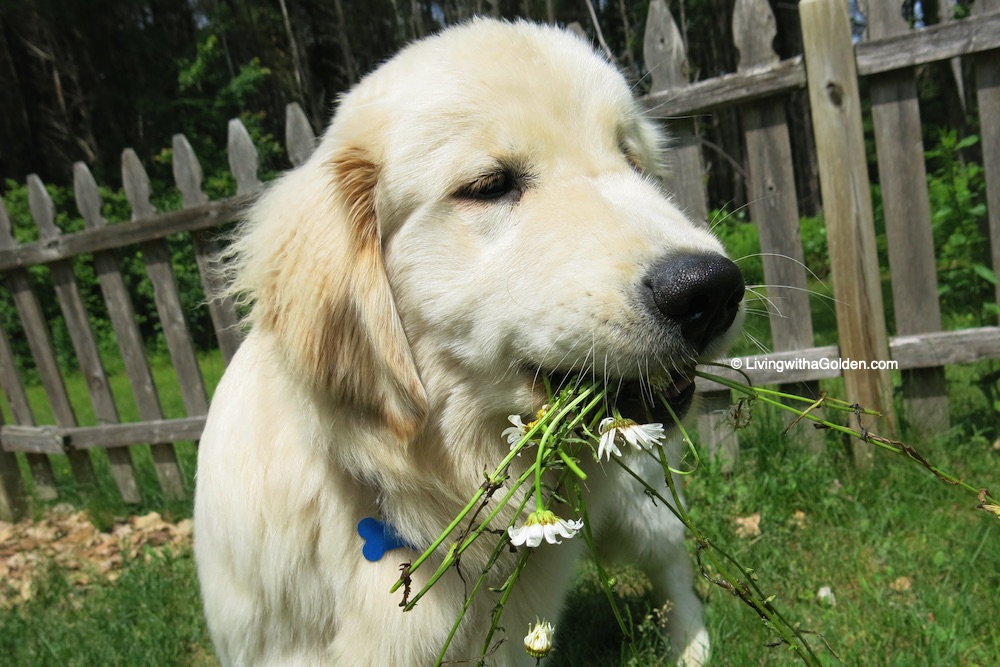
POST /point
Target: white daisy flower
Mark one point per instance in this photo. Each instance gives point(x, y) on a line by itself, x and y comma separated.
point(618, 430)
point(538, 643)
point(514, 434)
point(543, 525)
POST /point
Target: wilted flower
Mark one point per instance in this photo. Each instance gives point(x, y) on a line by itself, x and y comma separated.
point(516, 433)
point(538, 643)
point(543, 524)
point(615, 430)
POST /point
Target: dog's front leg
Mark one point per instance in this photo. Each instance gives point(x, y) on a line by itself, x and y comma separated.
point(637, 532)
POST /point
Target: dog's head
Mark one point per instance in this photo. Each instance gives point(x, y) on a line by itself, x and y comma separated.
point(488, 201)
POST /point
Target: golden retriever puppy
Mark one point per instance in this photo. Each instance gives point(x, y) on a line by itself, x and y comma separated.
point(484, 209)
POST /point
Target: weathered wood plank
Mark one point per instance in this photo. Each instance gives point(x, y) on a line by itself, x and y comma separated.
point(123, 322)
point(300, 140)
point(773, 204)
point(668, 71)
point(83, 341)
point(906, 207)
point(140, 230)
point(840, 149)
point(243, 159)
point(54, 439)
point(37, 332)
point(939, 42)
point(165, 292)
point(39, 467)
point(940, 348)
point(663, 50)
point(13, 502)
point(986, 70)
point(930, 44)
point(17, 399)
point(726, 90)
point(225, 321)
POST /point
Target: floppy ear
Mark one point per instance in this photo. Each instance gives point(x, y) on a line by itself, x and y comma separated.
point(312, 262)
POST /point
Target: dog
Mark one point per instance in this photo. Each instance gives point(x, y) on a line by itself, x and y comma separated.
point(484, 209)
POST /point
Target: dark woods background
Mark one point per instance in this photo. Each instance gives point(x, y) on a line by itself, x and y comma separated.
point(81, 80)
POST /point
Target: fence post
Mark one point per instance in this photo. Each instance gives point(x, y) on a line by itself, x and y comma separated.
point(84, 345)
point(840, 148)
point(906, 206)
point(123, 322)
point(987, 73)
point(663, 50)
point(773, 205)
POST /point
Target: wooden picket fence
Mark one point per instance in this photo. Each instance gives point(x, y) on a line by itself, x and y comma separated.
point(829, 69)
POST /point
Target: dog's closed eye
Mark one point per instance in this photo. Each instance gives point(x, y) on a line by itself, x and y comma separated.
point(502, 185)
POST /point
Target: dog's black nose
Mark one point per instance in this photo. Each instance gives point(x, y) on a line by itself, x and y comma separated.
point(701, 293)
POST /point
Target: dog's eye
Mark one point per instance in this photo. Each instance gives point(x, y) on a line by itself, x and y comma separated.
point(492, 187)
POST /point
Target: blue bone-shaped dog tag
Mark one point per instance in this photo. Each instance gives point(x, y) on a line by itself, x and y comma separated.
point(379, 537)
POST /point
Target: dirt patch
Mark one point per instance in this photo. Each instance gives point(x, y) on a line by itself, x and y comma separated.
point(67, 538)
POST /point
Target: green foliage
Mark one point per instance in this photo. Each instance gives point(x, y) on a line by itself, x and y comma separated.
point(211, 93)
point(958, 217)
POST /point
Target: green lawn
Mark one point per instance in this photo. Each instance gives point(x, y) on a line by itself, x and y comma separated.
point(914, 567)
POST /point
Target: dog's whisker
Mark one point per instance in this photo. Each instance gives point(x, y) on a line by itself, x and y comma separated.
point(756, 342)
point(783, 256)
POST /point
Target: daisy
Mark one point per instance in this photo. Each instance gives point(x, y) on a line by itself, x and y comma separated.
point(516, 433)
point(543, 524)
point(538, 643)
point(617, 430)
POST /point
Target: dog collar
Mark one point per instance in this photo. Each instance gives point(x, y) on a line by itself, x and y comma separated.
point(379, 537)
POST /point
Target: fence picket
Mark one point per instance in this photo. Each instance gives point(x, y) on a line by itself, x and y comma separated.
point(12, 499)
point(188, 177)
point(836, 113)
point(773, 204)
point(300, 140)
point(84, 344)
point(907, 213)
point(987, 73)
point(165, 293)
point(123, 322)
point(39, 466)
point(243, 159)
point(663, 50)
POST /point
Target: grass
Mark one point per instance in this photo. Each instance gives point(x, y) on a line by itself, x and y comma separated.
point(150, 616)
point(914, 567)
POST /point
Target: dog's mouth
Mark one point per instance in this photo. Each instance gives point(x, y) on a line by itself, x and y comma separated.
point(646, 400)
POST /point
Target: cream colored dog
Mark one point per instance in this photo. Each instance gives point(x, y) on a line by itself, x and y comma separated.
point(484, 208)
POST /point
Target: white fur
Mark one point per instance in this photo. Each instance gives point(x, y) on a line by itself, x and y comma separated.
point(396, 324)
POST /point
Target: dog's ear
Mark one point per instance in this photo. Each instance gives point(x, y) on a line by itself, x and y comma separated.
point(313, 256)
